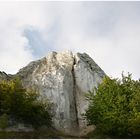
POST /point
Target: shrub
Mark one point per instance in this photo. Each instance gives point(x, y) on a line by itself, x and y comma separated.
point(115, 108)
point(3, 121)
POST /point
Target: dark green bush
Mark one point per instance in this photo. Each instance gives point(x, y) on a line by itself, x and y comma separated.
point(22, 105)
point(115, 106)
point(3, 121)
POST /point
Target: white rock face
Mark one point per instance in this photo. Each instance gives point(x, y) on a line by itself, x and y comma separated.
point(64, 78)
point(87, 76)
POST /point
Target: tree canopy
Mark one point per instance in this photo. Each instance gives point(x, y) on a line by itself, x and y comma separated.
point(115, 106)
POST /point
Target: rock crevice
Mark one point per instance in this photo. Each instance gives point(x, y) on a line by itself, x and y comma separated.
point(74, 92)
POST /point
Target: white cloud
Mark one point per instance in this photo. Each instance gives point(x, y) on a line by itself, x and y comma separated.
point(14, 48)
point(108, 31)
point(113, 41)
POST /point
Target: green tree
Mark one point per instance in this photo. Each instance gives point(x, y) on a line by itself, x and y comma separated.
point(23, 105)
point(115, 106)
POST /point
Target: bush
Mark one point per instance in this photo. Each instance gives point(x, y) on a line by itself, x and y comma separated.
point(3, 121)
point(23, 106)
point(115, 108)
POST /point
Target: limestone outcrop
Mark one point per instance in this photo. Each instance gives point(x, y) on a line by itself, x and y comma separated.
point(87, 75)
point(4, 76)
point(64, 78)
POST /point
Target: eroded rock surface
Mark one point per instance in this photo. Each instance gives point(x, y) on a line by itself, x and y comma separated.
point(4, 76)
point(87, 75)
point(64, 78)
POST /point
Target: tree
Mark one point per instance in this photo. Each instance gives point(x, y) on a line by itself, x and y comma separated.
point(23, 105)
point(115, 106)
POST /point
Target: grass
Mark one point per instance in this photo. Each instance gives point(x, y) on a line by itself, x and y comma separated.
point(47, 134)
point(38, 134)
point(53, 134)
point(98, 135)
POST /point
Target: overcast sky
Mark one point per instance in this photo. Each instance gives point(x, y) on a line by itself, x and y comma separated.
point(108, 31)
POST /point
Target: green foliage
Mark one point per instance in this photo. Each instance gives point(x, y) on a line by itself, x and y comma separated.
point(115, 108)
point(23, 105)
point(3, 121)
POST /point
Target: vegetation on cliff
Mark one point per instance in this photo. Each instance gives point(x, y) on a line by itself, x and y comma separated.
point(115, 108)
point(18, 105)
